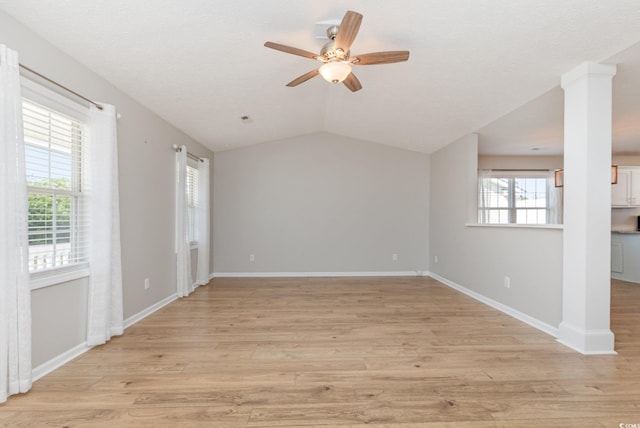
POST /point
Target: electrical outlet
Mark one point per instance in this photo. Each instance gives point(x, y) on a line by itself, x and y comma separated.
point(435, 259)
point(507, 282)
point(146, 283)
point(252, 258)
point(394, 257)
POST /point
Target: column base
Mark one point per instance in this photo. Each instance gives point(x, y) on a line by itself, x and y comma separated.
point(587, 342)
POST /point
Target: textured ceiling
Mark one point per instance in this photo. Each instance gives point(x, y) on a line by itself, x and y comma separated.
point(536, 128)
point(201, 64)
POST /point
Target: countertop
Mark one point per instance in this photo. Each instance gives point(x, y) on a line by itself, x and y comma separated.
point(626, 232)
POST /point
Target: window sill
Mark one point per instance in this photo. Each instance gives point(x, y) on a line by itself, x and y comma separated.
point(58, 275)
point(517, 226)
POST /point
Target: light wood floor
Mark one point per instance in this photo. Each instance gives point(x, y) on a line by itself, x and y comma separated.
point(385, 352)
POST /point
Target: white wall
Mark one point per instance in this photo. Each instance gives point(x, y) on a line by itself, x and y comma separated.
point(626, 160)
point(59, 319)
point(146, 173)
point(478, 258)
point(520, 162)
point(320, 203)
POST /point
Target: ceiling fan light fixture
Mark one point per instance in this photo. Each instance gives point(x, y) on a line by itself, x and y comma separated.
point(335, 71)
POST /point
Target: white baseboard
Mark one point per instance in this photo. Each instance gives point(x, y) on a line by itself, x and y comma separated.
point(56, 362)
point(533, 322)
point(587, 342)
point(148, 311)
point(310, 274)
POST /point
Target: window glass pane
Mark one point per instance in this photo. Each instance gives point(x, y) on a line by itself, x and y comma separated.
point(37, 166)
point(61, 170)
point(53, 149)
point(531, 216)
point(40, 224)
point(63, 219)
point(498, 217)
point(40, 230)
point(496, 192)
point(531, 192)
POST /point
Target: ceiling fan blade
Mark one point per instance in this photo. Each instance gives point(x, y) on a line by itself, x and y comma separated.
point(388, 57)
point(291, 50)
point(352, 82)
point(348, 30)
point(303, 78)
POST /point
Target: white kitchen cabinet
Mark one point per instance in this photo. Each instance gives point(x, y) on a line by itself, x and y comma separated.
point(627, 192)
point(625, 256)
point(617, 257)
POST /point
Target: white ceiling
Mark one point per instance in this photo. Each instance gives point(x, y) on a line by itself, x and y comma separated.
point(201, 64)
point(536, 128)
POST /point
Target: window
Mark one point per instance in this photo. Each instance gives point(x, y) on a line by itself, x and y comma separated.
point(517, 197)
point(192, 202)
point(54, 148)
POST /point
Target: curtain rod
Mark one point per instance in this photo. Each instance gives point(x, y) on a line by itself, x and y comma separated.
point(30, 70)
point(525, 170)
point(177, 148)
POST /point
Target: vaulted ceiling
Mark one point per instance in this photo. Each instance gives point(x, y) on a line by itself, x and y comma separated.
point(201, 64)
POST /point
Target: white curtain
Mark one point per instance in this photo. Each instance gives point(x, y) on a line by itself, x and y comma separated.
point(556, 200)
point(202, 215)
point(184, 282)
point(15, 292)
point(485, 185)
point(105, 316)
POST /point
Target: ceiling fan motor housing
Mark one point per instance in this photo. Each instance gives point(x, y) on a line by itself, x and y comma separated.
point(332, 32)
point(329, 53)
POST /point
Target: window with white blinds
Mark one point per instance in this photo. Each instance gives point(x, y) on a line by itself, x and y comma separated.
point(515, 197)
point(54, 149)
point(192, 202)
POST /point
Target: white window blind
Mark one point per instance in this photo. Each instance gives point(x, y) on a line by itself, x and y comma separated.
point(192, 201)
point(54, 148)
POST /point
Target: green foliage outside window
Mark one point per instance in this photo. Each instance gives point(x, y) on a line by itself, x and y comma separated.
point(50, 215)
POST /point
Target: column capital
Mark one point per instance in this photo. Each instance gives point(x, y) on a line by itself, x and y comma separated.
point(588, 69)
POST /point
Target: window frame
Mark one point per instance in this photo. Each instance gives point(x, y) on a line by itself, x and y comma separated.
point(46, 97)
point(512, 208)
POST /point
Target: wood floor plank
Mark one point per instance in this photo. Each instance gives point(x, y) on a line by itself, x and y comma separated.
point(64, 418)
point(439, 424)
point(347, 352)
point(196, 382)
point(441, 410)
point(66, 383)
point(274, 396)
point(568, 408)
point(266, 365)
point(195, 417)
point(113, 368)
point(395, 377)
point(81, 400)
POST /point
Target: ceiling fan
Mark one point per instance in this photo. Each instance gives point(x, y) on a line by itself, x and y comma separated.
point(336, 56)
